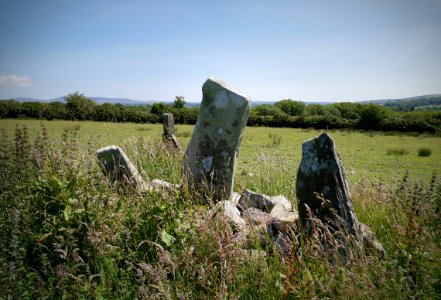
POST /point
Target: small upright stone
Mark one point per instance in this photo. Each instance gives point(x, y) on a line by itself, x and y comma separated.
point(211, 155)
point(116, 165)
point(168, 125)
point(321, 173)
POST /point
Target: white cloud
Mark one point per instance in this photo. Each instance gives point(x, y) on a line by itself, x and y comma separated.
point(15, 81)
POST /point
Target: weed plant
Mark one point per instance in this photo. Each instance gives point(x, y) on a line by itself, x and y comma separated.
point(424, 152)
point(66, 232)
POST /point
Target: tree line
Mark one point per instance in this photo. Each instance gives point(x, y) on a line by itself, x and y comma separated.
point(290, 113)
point(81, 108)
point(285, 113)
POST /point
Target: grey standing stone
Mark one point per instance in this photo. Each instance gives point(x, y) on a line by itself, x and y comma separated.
point(321, 173)
point(323, 187)
point(168, 125)
point(116, 165)
point(211, 155)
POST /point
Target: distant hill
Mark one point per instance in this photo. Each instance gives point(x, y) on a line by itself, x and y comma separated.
point(27, 99)
point(426, 102)
point(125, 101)
point(98, 100)
point(256, 103)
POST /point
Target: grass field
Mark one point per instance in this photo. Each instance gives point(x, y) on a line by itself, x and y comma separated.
point(67, 233)
point(377, 156)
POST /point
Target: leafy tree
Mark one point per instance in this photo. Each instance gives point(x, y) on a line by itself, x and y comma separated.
point(348, 110)
point(32, 110)
point(106, 112)
point(159, 108)
point(267, 110)
point(372, 116)
point(10, 109)
point(179, 102)
point(56, 110)
point(80, 107)
point(291, 107)
point(315, 110)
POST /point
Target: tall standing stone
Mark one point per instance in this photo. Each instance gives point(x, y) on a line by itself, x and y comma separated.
point(211, 155)
point(321, 173)
point(117, 166)
point(323, 187)
point(168, 125)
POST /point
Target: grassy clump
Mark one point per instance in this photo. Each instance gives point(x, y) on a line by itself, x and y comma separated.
point(66, 232)
point(424, 152)
point(276, 139)
point(396, 152)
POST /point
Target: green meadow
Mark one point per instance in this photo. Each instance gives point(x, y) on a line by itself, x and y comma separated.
point(66, 232)
point(378, 156)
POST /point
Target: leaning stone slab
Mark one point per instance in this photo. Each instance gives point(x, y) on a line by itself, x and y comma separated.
point(211, 155)
point(116, 165)
point(370, 243)
point(168, 135)
point(321, 173)
point(251, 199)
point(159, 185)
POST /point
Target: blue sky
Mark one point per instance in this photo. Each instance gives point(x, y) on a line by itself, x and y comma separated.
point(309, 50)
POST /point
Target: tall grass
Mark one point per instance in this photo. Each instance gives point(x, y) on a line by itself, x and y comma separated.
point(66, 232)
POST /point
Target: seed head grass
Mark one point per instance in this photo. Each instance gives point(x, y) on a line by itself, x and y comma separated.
point(67, 232)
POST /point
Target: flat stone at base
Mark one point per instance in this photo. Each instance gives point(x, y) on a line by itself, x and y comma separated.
point(251, 199)
point(281, 200)
point(284, 215)
point(235, 198)
point(231, 212)
point(254, 216)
